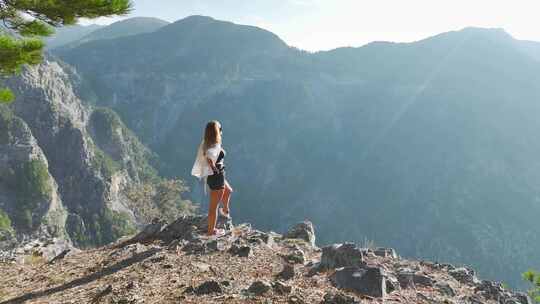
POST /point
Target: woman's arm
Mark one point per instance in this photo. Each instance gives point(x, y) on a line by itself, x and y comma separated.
point(211, 164)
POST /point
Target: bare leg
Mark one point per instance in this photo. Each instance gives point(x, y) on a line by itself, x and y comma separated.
point(215, 197)
point(226, 199)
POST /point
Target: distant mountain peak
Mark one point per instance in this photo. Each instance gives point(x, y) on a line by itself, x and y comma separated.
point(226, 29)
point(140, 19)
point(197, 18)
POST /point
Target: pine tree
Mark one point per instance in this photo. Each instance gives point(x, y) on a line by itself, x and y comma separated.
point(26, 21)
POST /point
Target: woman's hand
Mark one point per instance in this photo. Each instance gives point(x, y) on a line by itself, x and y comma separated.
point(228, 186)
point(212, 165)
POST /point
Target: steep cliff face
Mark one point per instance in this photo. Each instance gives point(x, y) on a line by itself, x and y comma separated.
point(54, 132)
point(29, 198)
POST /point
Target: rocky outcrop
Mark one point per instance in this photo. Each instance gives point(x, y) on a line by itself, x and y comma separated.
point(184, 265)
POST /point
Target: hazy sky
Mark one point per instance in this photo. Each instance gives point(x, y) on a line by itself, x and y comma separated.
point(326, 24)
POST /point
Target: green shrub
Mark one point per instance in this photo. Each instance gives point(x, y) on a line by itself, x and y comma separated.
point(122, 225)
point(6, 118)
point(6, 231)
point(114, 138)
point(160, 198)
point(533, 277)
point(5, 222)
point(104, 163)
point(105, 121)
point(33, 180)
point(32, 185)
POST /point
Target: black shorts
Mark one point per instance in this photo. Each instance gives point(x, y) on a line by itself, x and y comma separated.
point(216, 181)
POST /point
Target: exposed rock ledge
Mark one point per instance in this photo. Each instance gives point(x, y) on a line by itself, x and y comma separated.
point(177, 263)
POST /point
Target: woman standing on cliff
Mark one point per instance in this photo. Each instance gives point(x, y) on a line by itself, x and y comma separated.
point(209, 165)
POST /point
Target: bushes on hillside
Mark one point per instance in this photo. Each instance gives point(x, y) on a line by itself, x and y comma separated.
point(32, 185)
point(5, 226)
point(161, 199)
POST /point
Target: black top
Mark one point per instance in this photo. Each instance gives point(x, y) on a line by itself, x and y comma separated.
point(219, 161)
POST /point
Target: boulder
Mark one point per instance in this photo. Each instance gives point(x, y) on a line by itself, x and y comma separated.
point(186, 227)
point(341, 255)
point(464, 275)
point(149, 233)
point(370, 281)
point(304, 231)
point(260, 237)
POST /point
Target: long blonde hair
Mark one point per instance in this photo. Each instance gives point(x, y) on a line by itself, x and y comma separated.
point(212, 135)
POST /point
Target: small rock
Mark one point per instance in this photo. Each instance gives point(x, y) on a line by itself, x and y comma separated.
point(158, 259)
point(474, 299)
point(369, 281)
point(241, 251)
point(385, 252)
point(281, 288)
point(203, 267)
point(208, 287)
point(295, 299)
point(464, 275)
point(99, 295)
point(215, 246)
point(523, 298)
point(259, 288)
point(392, 284)
point(194, 247)
point(296, 257)
point(189, 289)
point(225, 283)
point(260, 237)
point(339, 298)
point(422, 280)
point(406, 279)
point(423, 297)
point(167, 266)
point(131, 285)
point(445, 289)
point(287, 273)
point(304, 231)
